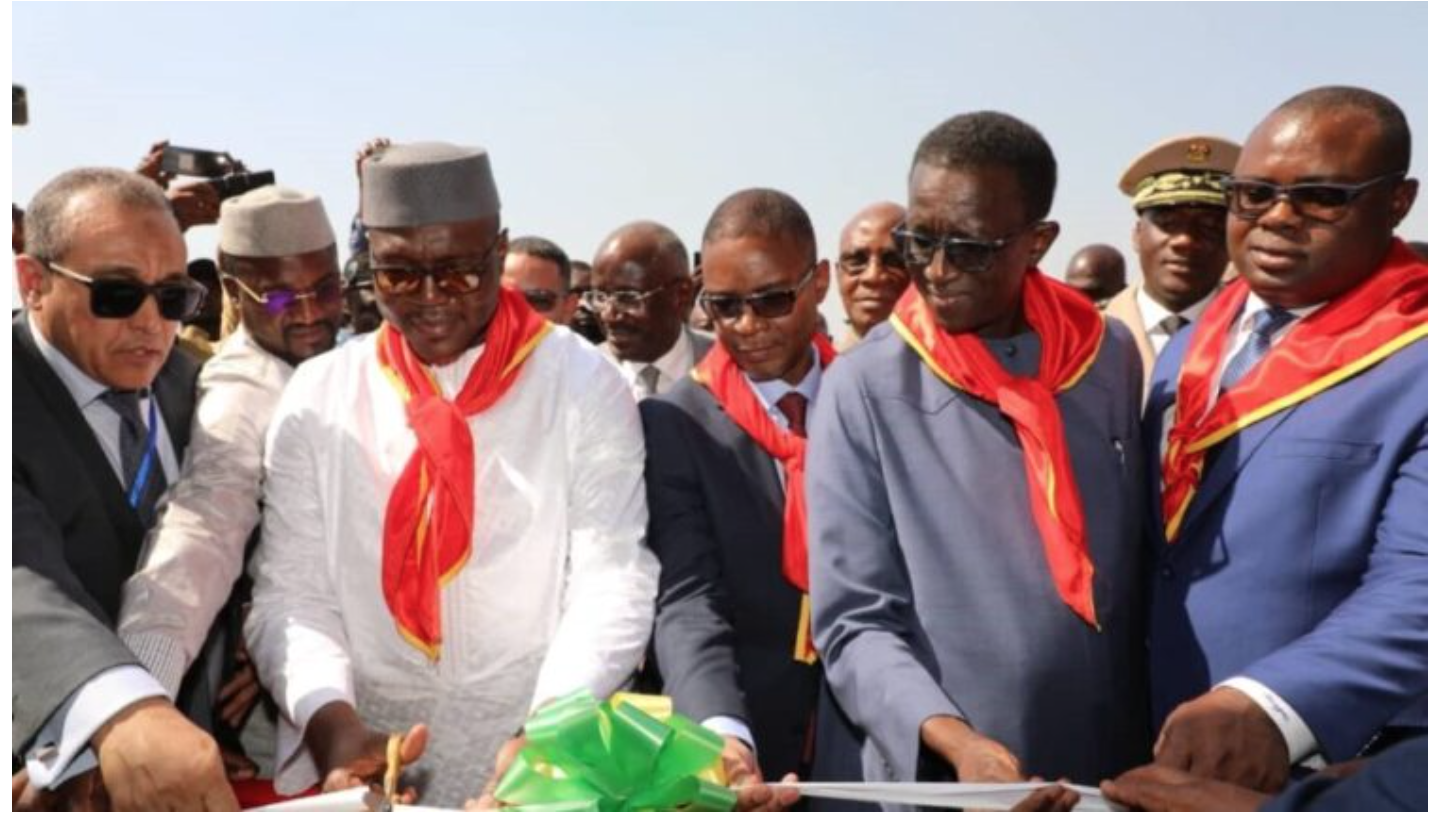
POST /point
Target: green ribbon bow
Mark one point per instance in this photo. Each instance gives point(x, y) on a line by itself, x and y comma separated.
point(615, 757)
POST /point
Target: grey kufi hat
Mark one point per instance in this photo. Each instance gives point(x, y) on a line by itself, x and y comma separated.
point(427, 183)
point(273, 221)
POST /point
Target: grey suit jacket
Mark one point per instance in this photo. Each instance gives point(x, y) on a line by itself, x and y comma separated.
point(930, 587)
point(76, 540)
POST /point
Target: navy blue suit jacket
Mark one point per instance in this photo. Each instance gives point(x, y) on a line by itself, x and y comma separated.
point(1302, 563)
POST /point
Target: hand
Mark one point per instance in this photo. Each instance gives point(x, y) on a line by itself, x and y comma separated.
point(195, 204)
point(1156, 788)
point(743, 775)
point(1225, 735)
point(976, 758)
point(1053, 798)
point(152, 758)
point(348, 754)
point(506, 754)
point(240, 693)
point(369, 148)
point(83, 793)
point(152, 165)
point(237, 766)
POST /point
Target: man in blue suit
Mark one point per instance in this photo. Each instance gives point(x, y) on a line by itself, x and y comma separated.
point(1287, 439)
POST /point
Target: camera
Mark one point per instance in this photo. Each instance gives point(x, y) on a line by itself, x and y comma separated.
point(226, 174)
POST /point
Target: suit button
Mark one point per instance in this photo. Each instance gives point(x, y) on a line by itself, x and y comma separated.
point(1166, 571)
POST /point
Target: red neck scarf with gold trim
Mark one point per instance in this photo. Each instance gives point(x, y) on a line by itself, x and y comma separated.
point(427, 528)
point(1349, 334)
point(1070, 332)
point(719, 373)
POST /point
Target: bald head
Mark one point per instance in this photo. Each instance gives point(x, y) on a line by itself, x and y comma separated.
point(1097, 271)
point(880, 217)
point(1394, 138)
point(648, 245)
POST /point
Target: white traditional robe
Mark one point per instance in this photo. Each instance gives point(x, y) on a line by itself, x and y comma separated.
point(558, 592)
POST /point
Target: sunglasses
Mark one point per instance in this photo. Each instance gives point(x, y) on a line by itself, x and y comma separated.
point(279, 300)
point(541, 300)
point(769, 304)
point(178, 300)
point(857, 262)
point(454, 278)
point(967, 255)
point(1322, 201)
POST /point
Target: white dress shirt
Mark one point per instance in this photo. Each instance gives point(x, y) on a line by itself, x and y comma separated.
point(61, 748)
point(769, 392)
point(559, 592)
point(674, 365)
point(195, 553)
point(1153, 315)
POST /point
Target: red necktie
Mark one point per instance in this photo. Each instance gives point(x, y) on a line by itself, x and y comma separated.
point(793, 406)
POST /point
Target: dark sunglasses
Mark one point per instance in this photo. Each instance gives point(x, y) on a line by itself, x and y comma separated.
point(541, 300)
point(858, 261)
point(279, 300)
point(966, 255)
point(768, 304)
point(452, 278)
point(1322, 201)
point(178, 300)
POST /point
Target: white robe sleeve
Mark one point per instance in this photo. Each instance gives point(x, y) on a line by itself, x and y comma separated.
point(295, 630)
point(195, 553)
point(610, 591)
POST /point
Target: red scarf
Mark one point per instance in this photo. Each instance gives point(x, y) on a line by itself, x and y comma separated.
point(427, 529)
point(1070, 331)
point(719, 373)
point(1351, 333)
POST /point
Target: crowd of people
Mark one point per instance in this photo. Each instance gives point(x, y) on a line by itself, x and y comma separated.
point(1168, 536)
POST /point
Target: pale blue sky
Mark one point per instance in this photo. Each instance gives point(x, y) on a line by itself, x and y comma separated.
point(599, 114)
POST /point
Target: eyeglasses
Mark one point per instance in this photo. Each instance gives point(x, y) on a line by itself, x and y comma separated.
point(541, 300)
point(857, 262)
point(967, 255)
point(279, 300)
point(452, 278)
point(178, 300)
point(623, 300)
point(1198, 222)
point(1321, 201)
point(768, 304)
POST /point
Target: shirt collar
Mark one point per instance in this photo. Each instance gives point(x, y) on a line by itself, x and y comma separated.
point(773, 390)
point(1254, 305)
point(1152, 312)
point(82, 388)
point(673, 365)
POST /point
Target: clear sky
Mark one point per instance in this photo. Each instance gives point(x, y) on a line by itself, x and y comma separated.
point(598, 114)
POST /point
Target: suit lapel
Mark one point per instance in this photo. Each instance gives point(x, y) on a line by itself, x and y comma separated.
point(175, 391)
point(51, 392)
point(758, 468)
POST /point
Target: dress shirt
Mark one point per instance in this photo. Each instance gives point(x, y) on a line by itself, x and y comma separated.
point(1153, 314)
point(558, 593)
point(195, 553)
point(674, 365)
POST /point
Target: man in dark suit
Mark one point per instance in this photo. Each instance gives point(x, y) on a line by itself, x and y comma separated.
point(1289, 604)
point(725, 475)
point(104, 405)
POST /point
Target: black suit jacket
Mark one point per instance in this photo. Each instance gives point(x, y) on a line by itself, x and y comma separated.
point(76, 540)
point(726, 618)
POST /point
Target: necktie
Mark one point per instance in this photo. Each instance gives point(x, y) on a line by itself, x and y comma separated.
point(1266, 323)
point(646, 380)
point(133, 434)
point(793, 406)
point(1171, 325)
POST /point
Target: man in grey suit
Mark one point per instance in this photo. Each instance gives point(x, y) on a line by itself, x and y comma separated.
point(104, 402)
point(973, 488)
point(641, 292)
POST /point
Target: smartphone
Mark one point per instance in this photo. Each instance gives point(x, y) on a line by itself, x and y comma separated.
point(196, 162)
point(19, 105)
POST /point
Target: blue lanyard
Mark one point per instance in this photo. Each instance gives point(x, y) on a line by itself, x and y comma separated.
point(151, 444)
